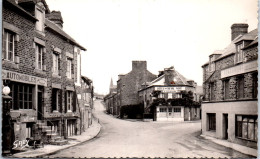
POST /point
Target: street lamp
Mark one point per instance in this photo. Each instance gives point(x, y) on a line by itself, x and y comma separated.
point(7, 129)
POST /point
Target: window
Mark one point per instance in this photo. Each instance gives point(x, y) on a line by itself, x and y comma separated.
point(161, 95)
point(239, 54)
point(25, 96)
point(170, 109)
point(39, 14)
point(163, 109)
point(55, 57)
point(56, 99)
point(226, 89)
point(28, 132)
point(69, 68)
point(39, 52)
point(169, 95)
point(69, 100)
point(212, 95)
point(177, 110)
point(212, 63)
point(240, 87)
point(246, 127)
point(177, 95)
point(8, 46)
point(211, 121)
point(255, 85)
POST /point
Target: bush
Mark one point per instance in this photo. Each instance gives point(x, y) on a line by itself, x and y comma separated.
point(132, 111)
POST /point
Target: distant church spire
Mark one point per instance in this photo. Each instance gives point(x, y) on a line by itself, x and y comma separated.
point(111, 83)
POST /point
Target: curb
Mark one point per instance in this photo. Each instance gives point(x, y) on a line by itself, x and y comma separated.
point(50, 153)
point(236, 147)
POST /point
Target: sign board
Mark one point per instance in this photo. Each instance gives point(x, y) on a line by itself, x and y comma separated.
point(170, 89)
point(239, 69)
point(23, 78)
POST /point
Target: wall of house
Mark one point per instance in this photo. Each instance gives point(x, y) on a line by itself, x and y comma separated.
point(231, 108)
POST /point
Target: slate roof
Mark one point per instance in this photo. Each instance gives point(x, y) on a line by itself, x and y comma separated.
point(19, 8)
point(36, 1)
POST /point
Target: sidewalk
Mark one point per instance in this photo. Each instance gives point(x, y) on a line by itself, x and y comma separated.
point(234, 146)
point(90, 133)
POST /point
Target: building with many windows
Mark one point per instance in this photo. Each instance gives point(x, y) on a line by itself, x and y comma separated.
point(41, 65)
point(170, 97)
point(229, 109)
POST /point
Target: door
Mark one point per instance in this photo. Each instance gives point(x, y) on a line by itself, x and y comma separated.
point(225, 126)
point(39, 106)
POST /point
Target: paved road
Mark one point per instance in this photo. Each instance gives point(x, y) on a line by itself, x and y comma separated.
point(121, 138)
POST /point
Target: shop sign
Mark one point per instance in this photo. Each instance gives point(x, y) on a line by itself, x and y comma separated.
point(239, 69)
point(18, 77)
point(170, 89)
point(27, 119)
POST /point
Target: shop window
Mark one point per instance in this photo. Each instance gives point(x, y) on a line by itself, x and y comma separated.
point(211, 121)
point(69, 68)
point(226, 89)
point(240, 87)
point(24, 96)
point(255, 85)
point(28, 132)
point(56, 62)
point(8, 46)
point(177, 110)
point(39, 56)
point(161, 95)
point(170, 109)
point(163, 109)
point(246, 127)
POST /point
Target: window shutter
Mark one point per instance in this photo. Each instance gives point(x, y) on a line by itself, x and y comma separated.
point(53, 99)
point(74, 101)
point(60, 101)
point(66, 94)
point(59, 65)
point(72, 69)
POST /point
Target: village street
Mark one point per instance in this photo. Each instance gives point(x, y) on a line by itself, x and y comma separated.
point(130, 138)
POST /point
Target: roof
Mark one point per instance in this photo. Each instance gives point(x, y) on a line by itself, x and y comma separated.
point(86, 79)
point(178, 78)
point(57, 29)
point(252, 43)
point(19, 8)
point(36, 1)
point(249, 36)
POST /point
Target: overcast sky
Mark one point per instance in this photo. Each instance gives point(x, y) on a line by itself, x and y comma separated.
point(179, 33)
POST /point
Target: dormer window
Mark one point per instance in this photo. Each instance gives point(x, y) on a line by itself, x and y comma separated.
point(239, 53)
point(40, 15)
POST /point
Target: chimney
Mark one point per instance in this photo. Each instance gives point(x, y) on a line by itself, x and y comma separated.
point(120, 76)
point(55, 16)
point(238, 29)
point(168, 72)
point(139, 65)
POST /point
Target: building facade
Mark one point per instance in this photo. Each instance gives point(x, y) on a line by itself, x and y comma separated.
point(41, 65)
point(170, 97)
point(229, 108)
point(126, 91)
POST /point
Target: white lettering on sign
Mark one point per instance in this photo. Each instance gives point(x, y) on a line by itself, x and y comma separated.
point(21, 144)
point(170, 89)
point(14, 76)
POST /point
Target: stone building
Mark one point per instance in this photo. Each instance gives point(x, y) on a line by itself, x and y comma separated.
point(85, 97)
point(164, 98)
point(229, 109)
point(41, 65)
point(126, 92)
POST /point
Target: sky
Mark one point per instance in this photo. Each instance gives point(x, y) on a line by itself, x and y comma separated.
point(179, 33)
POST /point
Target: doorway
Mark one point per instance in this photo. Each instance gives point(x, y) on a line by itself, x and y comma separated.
point(225, 126)
point(39, 106)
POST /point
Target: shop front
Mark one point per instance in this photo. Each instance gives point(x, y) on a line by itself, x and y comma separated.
point(169, 113)
point(26, 106)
